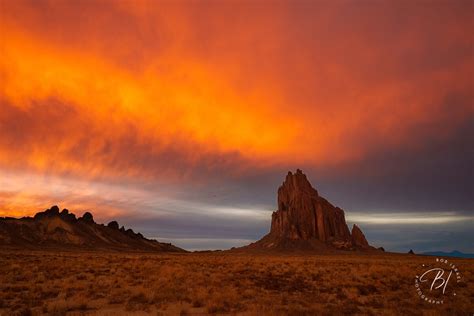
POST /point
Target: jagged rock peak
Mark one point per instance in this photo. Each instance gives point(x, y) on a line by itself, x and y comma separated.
point(306, 220)
point(53, 210)
point(303, 214)
point(52, 229)
point(294, 185)
point(113, 225)
point(87, 217)
point(50, 212)
point(358, 237)
point(67, 216)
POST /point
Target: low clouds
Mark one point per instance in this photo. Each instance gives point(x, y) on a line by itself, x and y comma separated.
point(401, 218)
point(422, 237)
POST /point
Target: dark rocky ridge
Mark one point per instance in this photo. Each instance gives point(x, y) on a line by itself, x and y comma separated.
point(52, 229)
point(306, 221)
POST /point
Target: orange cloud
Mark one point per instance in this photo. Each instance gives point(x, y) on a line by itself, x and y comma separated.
point(186, 104)
point(151, 90)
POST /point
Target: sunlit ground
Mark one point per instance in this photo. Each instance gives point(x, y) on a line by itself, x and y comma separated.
point(218, 283)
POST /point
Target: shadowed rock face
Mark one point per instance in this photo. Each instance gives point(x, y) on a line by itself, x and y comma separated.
point(87, 217)
point(52, 229)
point(358, 237)
point(113, 225)
point(304, 217)
point(303, 214)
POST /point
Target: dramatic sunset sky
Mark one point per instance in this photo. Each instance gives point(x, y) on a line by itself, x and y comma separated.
point(180, 119)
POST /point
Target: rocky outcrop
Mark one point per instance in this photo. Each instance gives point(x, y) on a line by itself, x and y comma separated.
point(305, 219)
point(52, 229)
point(50, 212)
point(113, 225)
point(358, 237)
point(87, 217)
point(65, 215)
point(303, 214)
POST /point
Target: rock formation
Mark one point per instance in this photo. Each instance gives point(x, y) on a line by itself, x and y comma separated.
point(87, 217)
point(306, 220)
point(113, 225)
point(358, 237)
point(54, 230)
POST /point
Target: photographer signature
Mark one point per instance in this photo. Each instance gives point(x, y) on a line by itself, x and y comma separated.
point(439, 277)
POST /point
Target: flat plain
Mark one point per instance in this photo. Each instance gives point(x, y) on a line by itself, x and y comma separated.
point(111, 283)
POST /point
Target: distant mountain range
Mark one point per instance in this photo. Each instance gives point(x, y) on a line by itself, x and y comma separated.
point(52, 229)
point(454, 253)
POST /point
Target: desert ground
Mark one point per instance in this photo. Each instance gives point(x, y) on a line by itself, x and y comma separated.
point(98, 283)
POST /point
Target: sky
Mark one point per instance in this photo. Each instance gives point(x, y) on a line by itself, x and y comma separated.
point(180, 119)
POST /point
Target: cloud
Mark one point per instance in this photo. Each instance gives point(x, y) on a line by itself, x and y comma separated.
point(399, 218)
point(202, 91)
point(424, 237)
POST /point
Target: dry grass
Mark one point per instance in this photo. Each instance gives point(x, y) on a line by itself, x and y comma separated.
point(36, 283)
